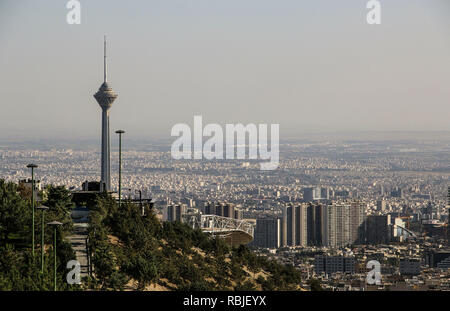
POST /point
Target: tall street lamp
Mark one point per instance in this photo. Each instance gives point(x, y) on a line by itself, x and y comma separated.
point(140, 201)
point(32, 166)
point(43, 209)
point(120, 132)
point(54, 224)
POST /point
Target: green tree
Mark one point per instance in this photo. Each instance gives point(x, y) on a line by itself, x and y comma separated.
point(143, 269)
point(59, 201)
point(315, 285)
point(15, 213)
point(104, 263)
point(245, 286)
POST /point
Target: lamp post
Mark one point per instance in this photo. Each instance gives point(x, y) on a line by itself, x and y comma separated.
point(32, 166)
point(120, 132)
point(54, 224)
point(43, 209)
point(140, 201)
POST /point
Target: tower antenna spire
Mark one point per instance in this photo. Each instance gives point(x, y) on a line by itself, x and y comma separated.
point(105, 69)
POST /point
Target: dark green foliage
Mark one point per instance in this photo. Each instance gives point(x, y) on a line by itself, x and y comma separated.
point(171, 254)
point(143, 268)
point(60, 207)
point(15, 213)
point(19, 271)
point(245, 286)
point(117, 281)
point(315, 285)
point(65, 253)
point(197, 286)
point(103, 261)
point(59, 199)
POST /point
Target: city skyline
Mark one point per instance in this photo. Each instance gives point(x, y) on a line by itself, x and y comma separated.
point(356, 196)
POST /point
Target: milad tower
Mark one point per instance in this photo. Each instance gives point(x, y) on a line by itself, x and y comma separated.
point(105, 98)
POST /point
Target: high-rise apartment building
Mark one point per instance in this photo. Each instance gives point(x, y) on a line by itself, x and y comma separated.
point(284, 227)
point(222, 209)
point(317, 224)
point(314, 224)
point(343, 224)
point(175, 212)
point(342, 213)
point(267, 233)
point(301, 225)
point(357, 222)
point(290, 225)
point(329, 226)
point(378, 229)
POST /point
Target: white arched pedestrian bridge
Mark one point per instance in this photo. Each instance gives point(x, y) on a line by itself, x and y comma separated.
point(233, 231)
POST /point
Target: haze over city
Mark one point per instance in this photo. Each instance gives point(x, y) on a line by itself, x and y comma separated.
point(311, 66)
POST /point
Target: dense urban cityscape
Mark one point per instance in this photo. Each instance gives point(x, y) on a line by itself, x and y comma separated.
point(331, 207)
point(225, 154)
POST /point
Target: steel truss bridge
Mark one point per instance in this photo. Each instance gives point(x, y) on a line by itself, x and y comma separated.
point(233, 231)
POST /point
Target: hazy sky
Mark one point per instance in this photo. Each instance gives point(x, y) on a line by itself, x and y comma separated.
point(307, 65)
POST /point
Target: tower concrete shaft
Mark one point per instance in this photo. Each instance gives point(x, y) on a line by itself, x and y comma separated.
point(105, 158)
point(105, 98)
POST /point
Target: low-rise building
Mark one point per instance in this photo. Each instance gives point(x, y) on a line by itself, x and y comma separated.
point(333, 264)
point(409, 266)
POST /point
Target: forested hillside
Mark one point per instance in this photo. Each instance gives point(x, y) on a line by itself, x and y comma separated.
point(19, 269)
point(132, 252)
